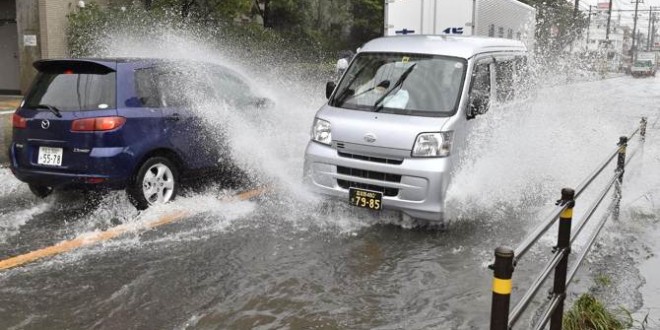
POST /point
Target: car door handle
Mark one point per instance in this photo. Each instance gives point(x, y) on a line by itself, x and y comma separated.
point(174, 117)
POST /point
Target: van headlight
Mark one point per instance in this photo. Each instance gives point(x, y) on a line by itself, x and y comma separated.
point(432, 144)
point(321, 131)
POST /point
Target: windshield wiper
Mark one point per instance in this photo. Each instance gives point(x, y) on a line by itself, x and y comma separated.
point(377, 105)
point(339, 100)
point(51, 108)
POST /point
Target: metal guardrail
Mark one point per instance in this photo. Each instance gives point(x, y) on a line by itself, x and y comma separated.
point(506, 258)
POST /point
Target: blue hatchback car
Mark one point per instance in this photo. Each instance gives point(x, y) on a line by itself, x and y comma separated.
point(120, 124)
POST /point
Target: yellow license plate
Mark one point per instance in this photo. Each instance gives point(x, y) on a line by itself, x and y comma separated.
point(367, 199)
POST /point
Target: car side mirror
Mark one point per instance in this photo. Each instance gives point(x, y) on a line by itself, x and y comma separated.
point(329, 88)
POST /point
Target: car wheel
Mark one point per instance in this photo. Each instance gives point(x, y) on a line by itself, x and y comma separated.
point(156, 182)
point(40, 191)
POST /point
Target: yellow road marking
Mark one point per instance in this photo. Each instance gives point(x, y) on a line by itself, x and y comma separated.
point(97, 237)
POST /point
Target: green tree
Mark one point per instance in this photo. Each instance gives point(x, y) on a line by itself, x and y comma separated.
point(368, 21)
point(557, 24)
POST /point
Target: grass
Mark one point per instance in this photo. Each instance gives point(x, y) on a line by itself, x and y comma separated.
point(603, 280)
point(588, 313)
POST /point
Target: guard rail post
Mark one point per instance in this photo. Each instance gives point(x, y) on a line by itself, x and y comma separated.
point(502, 273)
point(621, 160)
point(563, 242)
point(642, 129)
point(620, 168)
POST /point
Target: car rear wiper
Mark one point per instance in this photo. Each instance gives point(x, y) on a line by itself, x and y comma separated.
point(51, 108)
point(377, 105)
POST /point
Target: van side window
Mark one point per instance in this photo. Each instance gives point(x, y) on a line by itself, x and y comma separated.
point(481, 84)
point(480, 90)
point(504, 78)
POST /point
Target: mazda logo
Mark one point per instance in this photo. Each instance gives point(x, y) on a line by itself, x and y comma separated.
point(370, 137)
point(45, 124)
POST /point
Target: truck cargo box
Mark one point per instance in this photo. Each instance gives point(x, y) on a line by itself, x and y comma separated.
point(490, 18)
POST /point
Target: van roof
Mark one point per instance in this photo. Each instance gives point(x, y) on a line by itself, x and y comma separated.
point(464, 47)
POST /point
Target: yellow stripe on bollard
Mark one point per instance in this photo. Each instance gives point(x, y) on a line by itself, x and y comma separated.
point(501, 286)
point(97, 237)
point(566, 214)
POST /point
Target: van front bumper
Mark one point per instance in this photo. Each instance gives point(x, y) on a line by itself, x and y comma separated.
point(415, 187)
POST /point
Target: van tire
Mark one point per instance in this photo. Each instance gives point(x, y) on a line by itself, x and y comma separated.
point(40, 191)
point(157, 178)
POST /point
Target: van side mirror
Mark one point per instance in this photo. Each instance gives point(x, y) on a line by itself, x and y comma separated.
point(478, 105)
point(329, 88)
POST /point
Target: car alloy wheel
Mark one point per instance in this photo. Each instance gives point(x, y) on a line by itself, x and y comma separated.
point(155, 182)
point(158, 184)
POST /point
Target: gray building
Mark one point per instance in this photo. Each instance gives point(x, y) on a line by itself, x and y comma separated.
point(30, 30)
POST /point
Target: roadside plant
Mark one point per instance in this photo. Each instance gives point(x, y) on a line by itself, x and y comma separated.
point(588, 313)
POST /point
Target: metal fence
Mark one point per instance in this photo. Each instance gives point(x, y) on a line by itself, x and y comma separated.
point(506, 259)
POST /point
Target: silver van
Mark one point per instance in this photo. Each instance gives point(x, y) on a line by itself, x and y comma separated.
point(394, 127)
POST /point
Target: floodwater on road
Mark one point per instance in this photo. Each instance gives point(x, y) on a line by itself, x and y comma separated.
point(288, 260)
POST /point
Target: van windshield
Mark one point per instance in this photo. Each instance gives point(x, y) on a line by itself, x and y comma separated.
point(408, 84)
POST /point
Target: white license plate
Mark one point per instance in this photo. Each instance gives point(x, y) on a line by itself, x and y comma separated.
point(50, 156)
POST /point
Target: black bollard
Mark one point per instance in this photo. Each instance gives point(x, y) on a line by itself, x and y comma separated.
point(563, 242)
point(502, 285)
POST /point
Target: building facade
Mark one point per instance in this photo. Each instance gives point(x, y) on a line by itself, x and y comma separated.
point(31, 30)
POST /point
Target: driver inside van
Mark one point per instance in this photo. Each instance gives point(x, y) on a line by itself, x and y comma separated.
point(367, 95)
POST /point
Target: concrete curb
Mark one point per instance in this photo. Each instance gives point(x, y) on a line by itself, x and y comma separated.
point(5, 137)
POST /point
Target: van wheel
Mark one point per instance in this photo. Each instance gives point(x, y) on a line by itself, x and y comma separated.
point(40, 191)
point(156, 182)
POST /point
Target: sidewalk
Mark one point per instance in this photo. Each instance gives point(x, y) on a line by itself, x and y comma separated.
point(7, 106)
point(9, 103)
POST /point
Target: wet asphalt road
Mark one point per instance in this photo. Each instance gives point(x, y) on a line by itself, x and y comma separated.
point(281, 263)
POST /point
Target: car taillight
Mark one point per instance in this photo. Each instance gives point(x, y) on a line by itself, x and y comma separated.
point(97, 124)
point(18, 121)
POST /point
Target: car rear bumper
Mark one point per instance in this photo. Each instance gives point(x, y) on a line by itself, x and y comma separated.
point(416, 187)
point(103, 170)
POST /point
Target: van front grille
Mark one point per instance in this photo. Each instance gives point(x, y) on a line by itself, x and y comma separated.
point(379, 176)
point(369, 174)
point(371, 159)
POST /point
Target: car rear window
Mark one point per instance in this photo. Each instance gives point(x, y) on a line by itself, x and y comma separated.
point(70, 91)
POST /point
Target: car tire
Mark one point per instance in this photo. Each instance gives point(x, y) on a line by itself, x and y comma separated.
point(155, 182)
point(40, 191)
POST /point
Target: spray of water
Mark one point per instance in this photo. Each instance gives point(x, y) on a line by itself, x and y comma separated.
point(520, 154)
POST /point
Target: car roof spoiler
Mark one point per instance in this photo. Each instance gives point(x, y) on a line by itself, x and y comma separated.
point(75, 66)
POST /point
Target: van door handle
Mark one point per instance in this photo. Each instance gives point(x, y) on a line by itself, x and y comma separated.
point(174, 117)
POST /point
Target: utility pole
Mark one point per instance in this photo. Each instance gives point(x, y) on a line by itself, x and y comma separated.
point(588, 26)
point(609, 18)
point(653, 32)
point(634, 35)
point(648, 35)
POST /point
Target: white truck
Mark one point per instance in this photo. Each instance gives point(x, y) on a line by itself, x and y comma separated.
point(645, 64)
point(508, 19)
